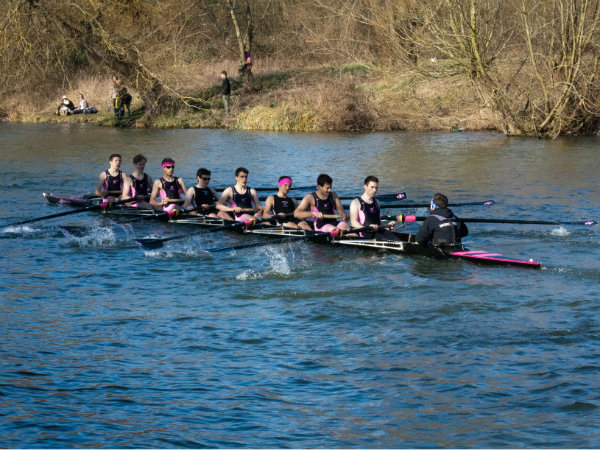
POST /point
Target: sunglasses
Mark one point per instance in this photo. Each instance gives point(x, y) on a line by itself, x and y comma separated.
point(169, 167)
point(206, 179)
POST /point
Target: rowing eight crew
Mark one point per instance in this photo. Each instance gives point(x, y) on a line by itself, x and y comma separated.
point(241, 201)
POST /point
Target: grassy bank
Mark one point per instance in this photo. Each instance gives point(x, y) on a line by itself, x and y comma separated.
point(289, 99)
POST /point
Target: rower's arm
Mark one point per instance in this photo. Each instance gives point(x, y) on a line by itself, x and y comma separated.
point(304, 209)
point(339, 207)
point(155, 191)
point(101, 178)
point(127, 189)
point(222, 203)
point(182, 184)
point(256, 200)
point(189, 198)
point(354, 208)
point(125, 181)
point(268, 209)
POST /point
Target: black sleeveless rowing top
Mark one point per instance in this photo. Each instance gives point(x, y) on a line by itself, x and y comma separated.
point(369, 214)
point(140, 187)
point(242, 200)
point(113, 183)
point(170, 189)
point(327, 207)
point(283, 205)
point(204, 196)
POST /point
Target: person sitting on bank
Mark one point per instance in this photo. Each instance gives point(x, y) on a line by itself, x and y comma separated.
point(442, 226)
point(83, 105)
point(65, 107)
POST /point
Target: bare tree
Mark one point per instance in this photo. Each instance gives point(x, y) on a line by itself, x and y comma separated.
point(535, 63)
point(244, 39)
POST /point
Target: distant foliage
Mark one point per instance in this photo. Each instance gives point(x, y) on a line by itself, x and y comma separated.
point(534, 63)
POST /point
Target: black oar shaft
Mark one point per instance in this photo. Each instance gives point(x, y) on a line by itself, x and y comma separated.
point(426, 205)
point(307, 236)
point(66, 213)
point(403, 218)
point(152, 244)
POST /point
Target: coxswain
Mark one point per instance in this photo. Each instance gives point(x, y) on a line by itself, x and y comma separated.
point(202, 197)
point(442, 226)
point(322, 206)
point(112, 181)
point(281, 205)
point(365, 211)
point(242, 199)
point(168, 190)
point(139, 184)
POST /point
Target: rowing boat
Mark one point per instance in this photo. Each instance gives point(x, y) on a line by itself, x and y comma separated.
point(403, 246)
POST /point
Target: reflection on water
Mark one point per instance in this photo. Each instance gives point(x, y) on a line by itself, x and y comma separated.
point(299, 345)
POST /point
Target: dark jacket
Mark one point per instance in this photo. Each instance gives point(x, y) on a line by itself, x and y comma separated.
point(226, 86)
point(441, 227)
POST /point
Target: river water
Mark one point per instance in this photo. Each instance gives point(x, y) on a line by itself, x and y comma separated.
point(300, 345)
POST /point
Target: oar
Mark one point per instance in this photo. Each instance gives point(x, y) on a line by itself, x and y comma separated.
point(153, 244)
point(307, 236)
point(67, 213)
point(274, 188)
point(382, 197)
point(402, 218)
point(426, 205)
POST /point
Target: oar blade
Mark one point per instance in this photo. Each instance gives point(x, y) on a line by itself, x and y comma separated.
point(149, 244)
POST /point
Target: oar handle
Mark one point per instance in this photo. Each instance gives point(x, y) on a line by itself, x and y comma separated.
point(331, 216)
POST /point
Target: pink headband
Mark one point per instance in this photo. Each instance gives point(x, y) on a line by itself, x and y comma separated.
point(168, 163)
point(283, 181)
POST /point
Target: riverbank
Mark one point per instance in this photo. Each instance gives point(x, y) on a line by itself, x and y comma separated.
point(317, 99)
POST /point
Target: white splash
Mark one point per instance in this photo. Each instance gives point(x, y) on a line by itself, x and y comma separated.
point(20, 229)
point(98, 237)
point(560, 231)
point(279, 264)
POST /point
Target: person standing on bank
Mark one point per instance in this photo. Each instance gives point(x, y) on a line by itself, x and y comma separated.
point(226, 90)
point(442, 226)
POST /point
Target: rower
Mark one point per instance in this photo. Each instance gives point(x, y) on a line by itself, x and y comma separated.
point(442, 226)
point(365, 211)
point(202, 197)
point(321, 205)
point(139, 184)
point(111, 181)
point(170, 189)
point(281, 205)
point(243, 200)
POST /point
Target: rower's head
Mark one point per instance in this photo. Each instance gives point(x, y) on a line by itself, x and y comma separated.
point(115, 161)
point(438, 201)
point(241, 176)
point(168, 166)
point(285, 184)
point(324, 183)
point(139, 161)
point(203, 176)
point(371, 185)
